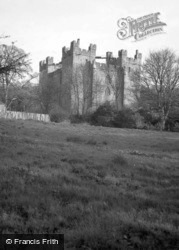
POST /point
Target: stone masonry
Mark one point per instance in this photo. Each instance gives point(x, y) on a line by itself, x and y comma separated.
point(82, 83)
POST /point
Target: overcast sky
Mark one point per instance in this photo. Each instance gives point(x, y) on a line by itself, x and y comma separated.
point(43, 27)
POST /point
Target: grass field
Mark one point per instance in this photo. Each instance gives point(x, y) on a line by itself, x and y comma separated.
point(104, 188)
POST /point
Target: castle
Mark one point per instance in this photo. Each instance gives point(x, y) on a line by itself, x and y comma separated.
point(82, 83)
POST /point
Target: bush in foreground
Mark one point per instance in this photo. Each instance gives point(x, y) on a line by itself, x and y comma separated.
point(57, 114)
point(106, 115)
point(124, 119)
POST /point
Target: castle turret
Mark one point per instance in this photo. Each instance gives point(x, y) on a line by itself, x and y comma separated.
point(138, 56)
point(92, 49)
point(46, 64)
point(42, 65)
point(122, 57)
point(49, 60)
point(75, 45)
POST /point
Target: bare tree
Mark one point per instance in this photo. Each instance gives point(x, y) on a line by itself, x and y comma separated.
point(23, 95)
point(158, 77)
point(14, 66)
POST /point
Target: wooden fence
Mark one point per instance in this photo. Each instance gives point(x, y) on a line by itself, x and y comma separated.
point(24, 116)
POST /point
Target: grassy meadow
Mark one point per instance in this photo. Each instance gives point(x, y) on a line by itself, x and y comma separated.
point(104, 188)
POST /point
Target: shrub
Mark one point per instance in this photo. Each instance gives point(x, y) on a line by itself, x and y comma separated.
point(124, 119)
point(151, 119)
point(107, 115)
point(103, 116)
point(172, 123)
point(77, 119)
point(57, 114)
point(139, 121)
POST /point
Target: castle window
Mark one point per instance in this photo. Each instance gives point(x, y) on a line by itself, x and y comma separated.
point(129, 69)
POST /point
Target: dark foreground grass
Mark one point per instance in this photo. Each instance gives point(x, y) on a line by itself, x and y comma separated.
point(104, 188)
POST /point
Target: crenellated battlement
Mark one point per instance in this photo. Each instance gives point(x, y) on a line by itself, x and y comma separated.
point(75, 50)
point(124, 60)
point(110, 60)
point(49, 65)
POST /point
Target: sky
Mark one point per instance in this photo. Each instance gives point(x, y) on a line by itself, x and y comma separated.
point(43, 27)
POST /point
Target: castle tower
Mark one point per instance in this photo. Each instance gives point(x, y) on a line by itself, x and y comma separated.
point(128, 65)
point(77, 70)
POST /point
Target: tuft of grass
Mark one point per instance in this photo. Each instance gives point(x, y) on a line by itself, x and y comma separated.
point(74, 139)
point(92, 142)
point(104, 143)
point(119, 160)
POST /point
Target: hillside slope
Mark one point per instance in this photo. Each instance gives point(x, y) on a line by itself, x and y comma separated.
point(104, 188)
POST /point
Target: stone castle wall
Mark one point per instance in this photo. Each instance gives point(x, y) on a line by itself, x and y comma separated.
point(80, 75)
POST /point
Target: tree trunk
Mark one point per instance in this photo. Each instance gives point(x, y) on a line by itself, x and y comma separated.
point(164, 117)
point(6, 90)
point(163, 123)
